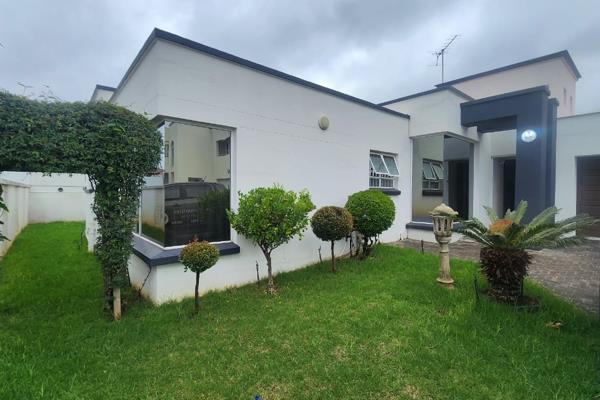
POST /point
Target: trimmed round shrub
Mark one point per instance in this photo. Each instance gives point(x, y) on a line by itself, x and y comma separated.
point(330, 224)
point(373, 212)
point(198, 257)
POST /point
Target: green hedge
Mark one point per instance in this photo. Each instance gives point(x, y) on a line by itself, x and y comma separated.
point(115, 147)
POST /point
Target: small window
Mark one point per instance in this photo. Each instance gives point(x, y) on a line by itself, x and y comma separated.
point(383, 171)
point(433, 177)
point(223, 147)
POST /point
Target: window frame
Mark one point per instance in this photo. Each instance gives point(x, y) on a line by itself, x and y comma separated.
point(380, 177)
point(161, 120)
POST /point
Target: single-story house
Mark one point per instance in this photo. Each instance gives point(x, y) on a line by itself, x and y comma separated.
point(231, 125)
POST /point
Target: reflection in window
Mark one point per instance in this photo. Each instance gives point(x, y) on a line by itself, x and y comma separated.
point(189, 196)
point(433, 177)
point(441, 165)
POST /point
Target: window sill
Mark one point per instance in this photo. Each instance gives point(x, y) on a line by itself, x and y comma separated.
point(389, 192)
point(436, 193)
point(154, 255)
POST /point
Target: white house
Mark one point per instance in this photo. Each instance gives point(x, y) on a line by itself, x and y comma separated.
point(231, 125)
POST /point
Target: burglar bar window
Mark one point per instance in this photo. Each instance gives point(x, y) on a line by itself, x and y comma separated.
point(433, 177)
point(383, 171)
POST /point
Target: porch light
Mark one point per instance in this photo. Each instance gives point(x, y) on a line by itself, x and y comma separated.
point(442, 217)
point(528, 135)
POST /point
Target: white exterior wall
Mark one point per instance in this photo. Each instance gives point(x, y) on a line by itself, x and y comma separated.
point(15, 195)
point(276, 139)
point(555, 73)
point(101, 95)
point(435, 113)
point(577, 136)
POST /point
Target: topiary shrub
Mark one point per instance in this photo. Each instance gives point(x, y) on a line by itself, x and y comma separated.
point(373, 212)
point(271, 217)
point(331, 223)
point(198, 257)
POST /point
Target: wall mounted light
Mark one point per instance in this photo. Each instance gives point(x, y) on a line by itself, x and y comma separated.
point(324, 123)
point(528, 135)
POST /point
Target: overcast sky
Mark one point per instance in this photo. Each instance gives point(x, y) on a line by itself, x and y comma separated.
point(376, 50)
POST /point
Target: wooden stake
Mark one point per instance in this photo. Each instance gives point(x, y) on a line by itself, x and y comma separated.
point(117, 303)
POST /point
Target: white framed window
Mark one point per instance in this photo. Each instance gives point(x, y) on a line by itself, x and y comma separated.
point(433, 177)
point(383, 171)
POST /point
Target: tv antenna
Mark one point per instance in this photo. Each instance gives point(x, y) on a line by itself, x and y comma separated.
point(441, 53)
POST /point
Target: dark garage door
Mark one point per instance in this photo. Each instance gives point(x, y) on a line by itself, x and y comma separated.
point(588, 190)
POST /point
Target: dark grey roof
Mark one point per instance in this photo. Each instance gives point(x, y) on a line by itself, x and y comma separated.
point(439, 89)
point(170, 37)
point(564, 54)
point(103, 87)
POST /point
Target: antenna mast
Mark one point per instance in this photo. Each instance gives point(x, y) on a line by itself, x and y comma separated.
point(440, 54)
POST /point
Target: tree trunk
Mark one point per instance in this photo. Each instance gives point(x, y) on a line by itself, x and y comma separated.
point(117, 303)
point(196, 300)
point(332, 258)
point(270, 285)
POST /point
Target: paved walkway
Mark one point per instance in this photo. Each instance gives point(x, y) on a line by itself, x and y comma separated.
point(573, 273)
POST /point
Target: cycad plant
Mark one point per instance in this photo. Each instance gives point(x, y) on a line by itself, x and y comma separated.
point(504, 258)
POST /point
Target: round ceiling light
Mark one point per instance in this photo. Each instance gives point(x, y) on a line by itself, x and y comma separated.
point(528, 135)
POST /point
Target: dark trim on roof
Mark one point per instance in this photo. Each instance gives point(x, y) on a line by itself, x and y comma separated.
point(438, 89)
point(170, 37)
point(108, 88)
point(564, 54)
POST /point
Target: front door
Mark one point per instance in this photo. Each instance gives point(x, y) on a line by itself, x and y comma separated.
point(588, 191)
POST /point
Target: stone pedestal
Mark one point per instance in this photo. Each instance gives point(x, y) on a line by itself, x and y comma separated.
point(444, 274)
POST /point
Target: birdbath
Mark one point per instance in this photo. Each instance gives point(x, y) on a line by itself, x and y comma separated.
point(443, 216)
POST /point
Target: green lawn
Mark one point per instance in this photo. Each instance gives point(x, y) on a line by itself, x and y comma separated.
point(378, 329)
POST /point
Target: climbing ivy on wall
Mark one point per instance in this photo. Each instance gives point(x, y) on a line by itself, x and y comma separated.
point(115, 147)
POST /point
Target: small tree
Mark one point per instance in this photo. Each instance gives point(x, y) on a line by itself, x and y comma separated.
point(373, 212)
point(330, 224)
point(198, 257)
point(271, 217)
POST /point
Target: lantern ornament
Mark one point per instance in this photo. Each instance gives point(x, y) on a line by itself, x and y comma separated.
point(443, 217)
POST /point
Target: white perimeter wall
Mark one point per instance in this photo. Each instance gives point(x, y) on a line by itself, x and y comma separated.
point(276, 139)
point(15, 194)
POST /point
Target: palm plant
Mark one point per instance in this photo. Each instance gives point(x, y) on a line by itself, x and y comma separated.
point(504, 258)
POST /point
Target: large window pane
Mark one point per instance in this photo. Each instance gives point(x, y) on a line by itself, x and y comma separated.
point(390, 163)
point(378, 164)
point(191, 194)
point(441, 165)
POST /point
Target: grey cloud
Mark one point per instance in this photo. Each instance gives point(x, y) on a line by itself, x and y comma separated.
point(372, 49)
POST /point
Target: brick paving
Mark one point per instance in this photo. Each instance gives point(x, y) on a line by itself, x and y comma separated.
point(573, 273)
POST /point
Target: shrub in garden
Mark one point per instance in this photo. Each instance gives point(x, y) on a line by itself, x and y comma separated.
point(330, 224)
point(198, 257)
point(504, 258)
point(271, 217)
point(373, 212)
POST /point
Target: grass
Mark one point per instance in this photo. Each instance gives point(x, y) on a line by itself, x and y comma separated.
point(378, 329)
